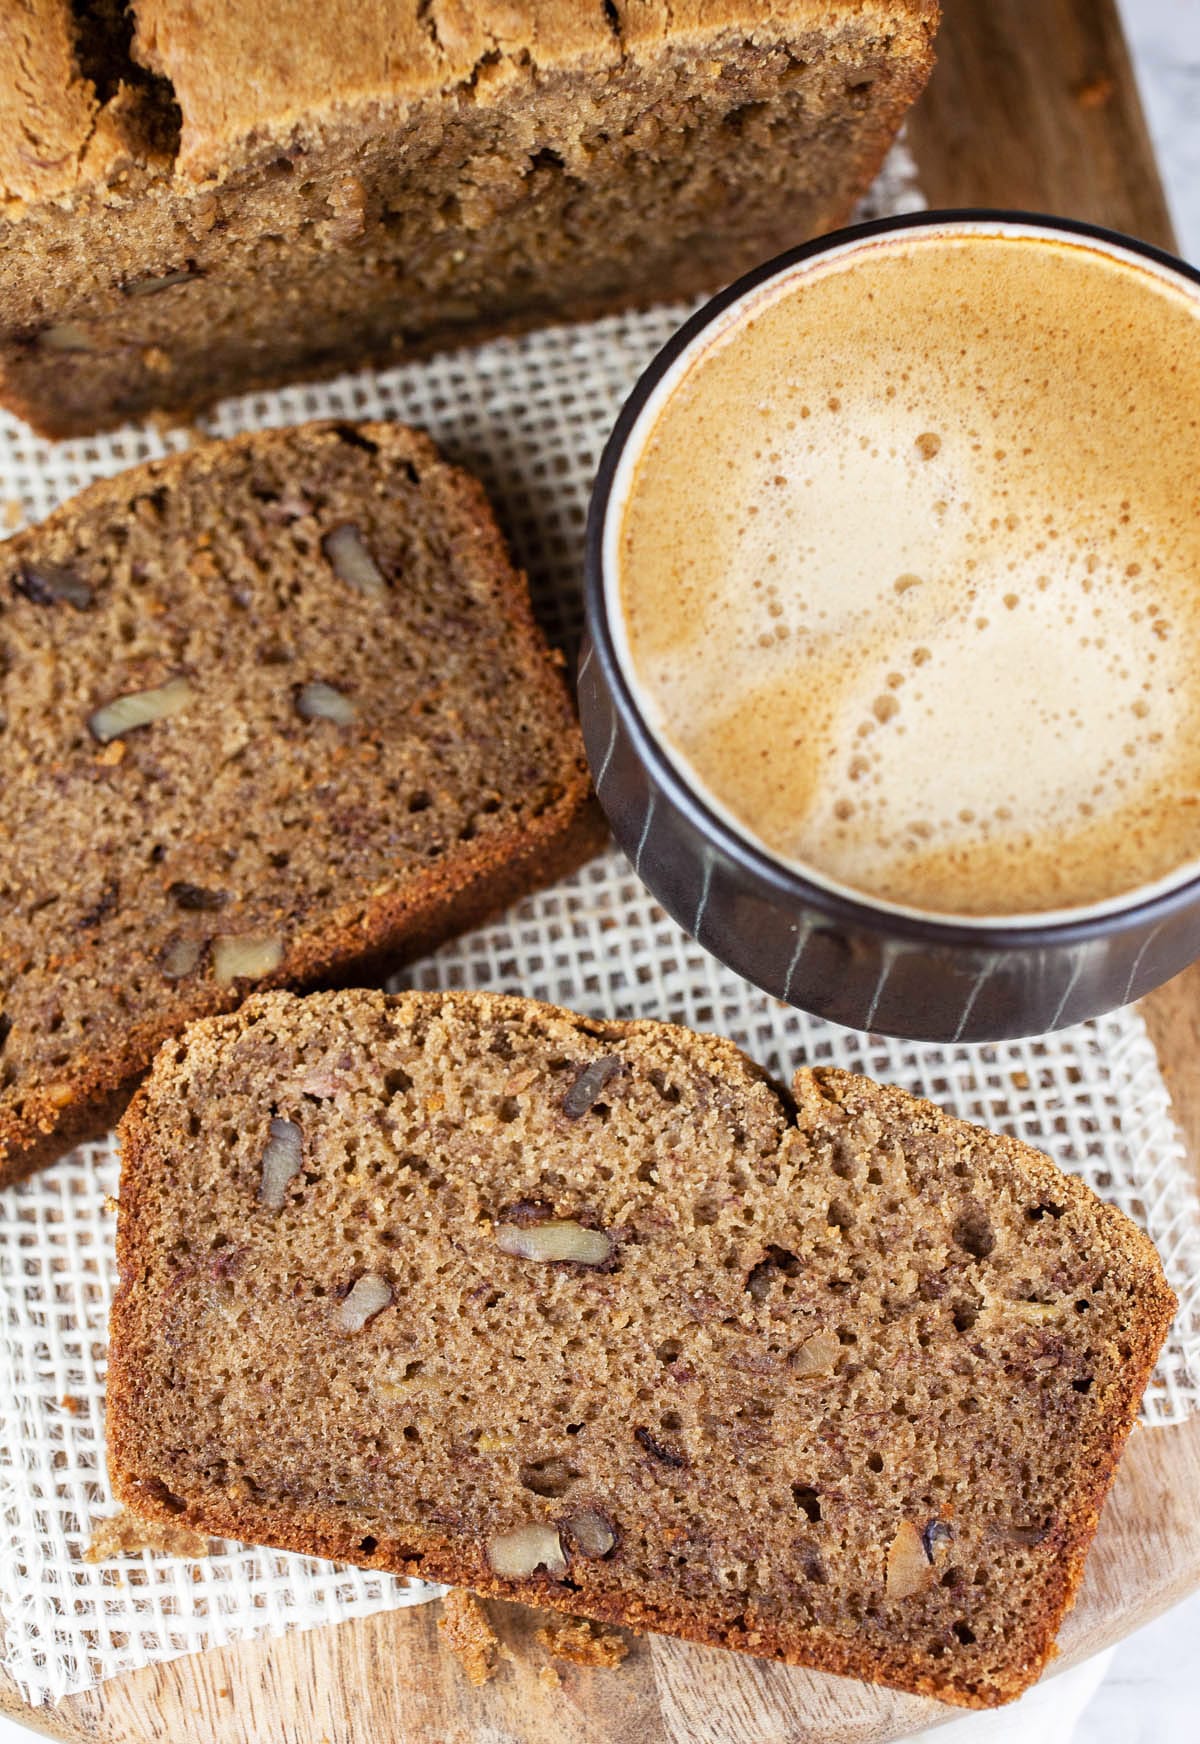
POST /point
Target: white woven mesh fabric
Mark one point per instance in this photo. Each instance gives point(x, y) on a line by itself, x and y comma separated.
point(530, 416)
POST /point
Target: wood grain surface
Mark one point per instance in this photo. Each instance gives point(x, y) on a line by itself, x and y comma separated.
point(1033, 105)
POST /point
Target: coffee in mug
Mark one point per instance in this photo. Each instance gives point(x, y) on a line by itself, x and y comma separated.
point(907, 573)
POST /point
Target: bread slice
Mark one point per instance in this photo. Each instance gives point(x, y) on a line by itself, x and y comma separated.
point(306, 188)
point(361, 745)
point(592, 1314)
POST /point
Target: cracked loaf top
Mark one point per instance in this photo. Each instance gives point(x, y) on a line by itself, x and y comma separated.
point(197, 199)
point(178, 83)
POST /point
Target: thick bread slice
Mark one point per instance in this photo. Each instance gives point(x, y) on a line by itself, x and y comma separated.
point(591, 1314)
point(361, 745)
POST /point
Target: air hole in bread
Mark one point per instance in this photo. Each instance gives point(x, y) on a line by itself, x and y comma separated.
point(974, 1233)
point(1047, 1208)
point(548, 1477)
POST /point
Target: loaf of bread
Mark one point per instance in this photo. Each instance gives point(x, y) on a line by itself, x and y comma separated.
point(197, 198)
point(593, 1314)
point(272, 709)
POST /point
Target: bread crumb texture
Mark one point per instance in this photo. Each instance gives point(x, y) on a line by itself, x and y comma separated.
point(582, 1642)
point(595, 1316)
point(273, 709)
point(125, 1534)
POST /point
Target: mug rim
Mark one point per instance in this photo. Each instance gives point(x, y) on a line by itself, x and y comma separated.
point(786, 881)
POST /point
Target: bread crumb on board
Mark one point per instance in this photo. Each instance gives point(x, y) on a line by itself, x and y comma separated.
point(1096, 92)
point(582, 1642)
point(124, 1533)
point(469, 1636)
point(549, 1678)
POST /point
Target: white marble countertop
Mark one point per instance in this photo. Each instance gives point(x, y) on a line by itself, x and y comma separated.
point(1149, 1692)
point(1165, 38)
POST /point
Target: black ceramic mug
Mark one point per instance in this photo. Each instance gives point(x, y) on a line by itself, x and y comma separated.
point(870, 966)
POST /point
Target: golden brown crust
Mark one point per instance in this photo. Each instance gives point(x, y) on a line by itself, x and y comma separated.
point(47, 111)
point(346, 55)
point(829, 1104)
point(404, 914)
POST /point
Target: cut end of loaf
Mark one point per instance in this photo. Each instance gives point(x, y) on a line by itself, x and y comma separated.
point(424, 181)
point(589, 1314)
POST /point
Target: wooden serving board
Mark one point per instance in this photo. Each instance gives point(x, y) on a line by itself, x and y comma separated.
point(1032, 106)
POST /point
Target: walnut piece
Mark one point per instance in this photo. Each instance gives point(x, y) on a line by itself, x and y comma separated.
point(248, 954)
point(517, 1554)
point(46, 584)
point(1026, 1536)
point(591, 1533)
point(64, 336)
point(139, 709)
point(370, 1295)
point(1035, 1312)
point(352, 562)
point(556, 1240)
point(150, 287)
point(320, 1081)
point(321, 702)
point(195, 898)
point(937, 1538)
point(585, 1091)
point(817, 1355)
point(180, 957)
point(281, 1160)
point(909, 1570)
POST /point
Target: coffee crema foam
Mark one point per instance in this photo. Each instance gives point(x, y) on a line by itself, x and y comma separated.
point(910, 573)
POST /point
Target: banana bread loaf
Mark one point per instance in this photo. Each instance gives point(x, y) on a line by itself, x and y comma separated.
point(197, 198)
point(270, 709)
point(594, 1315)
